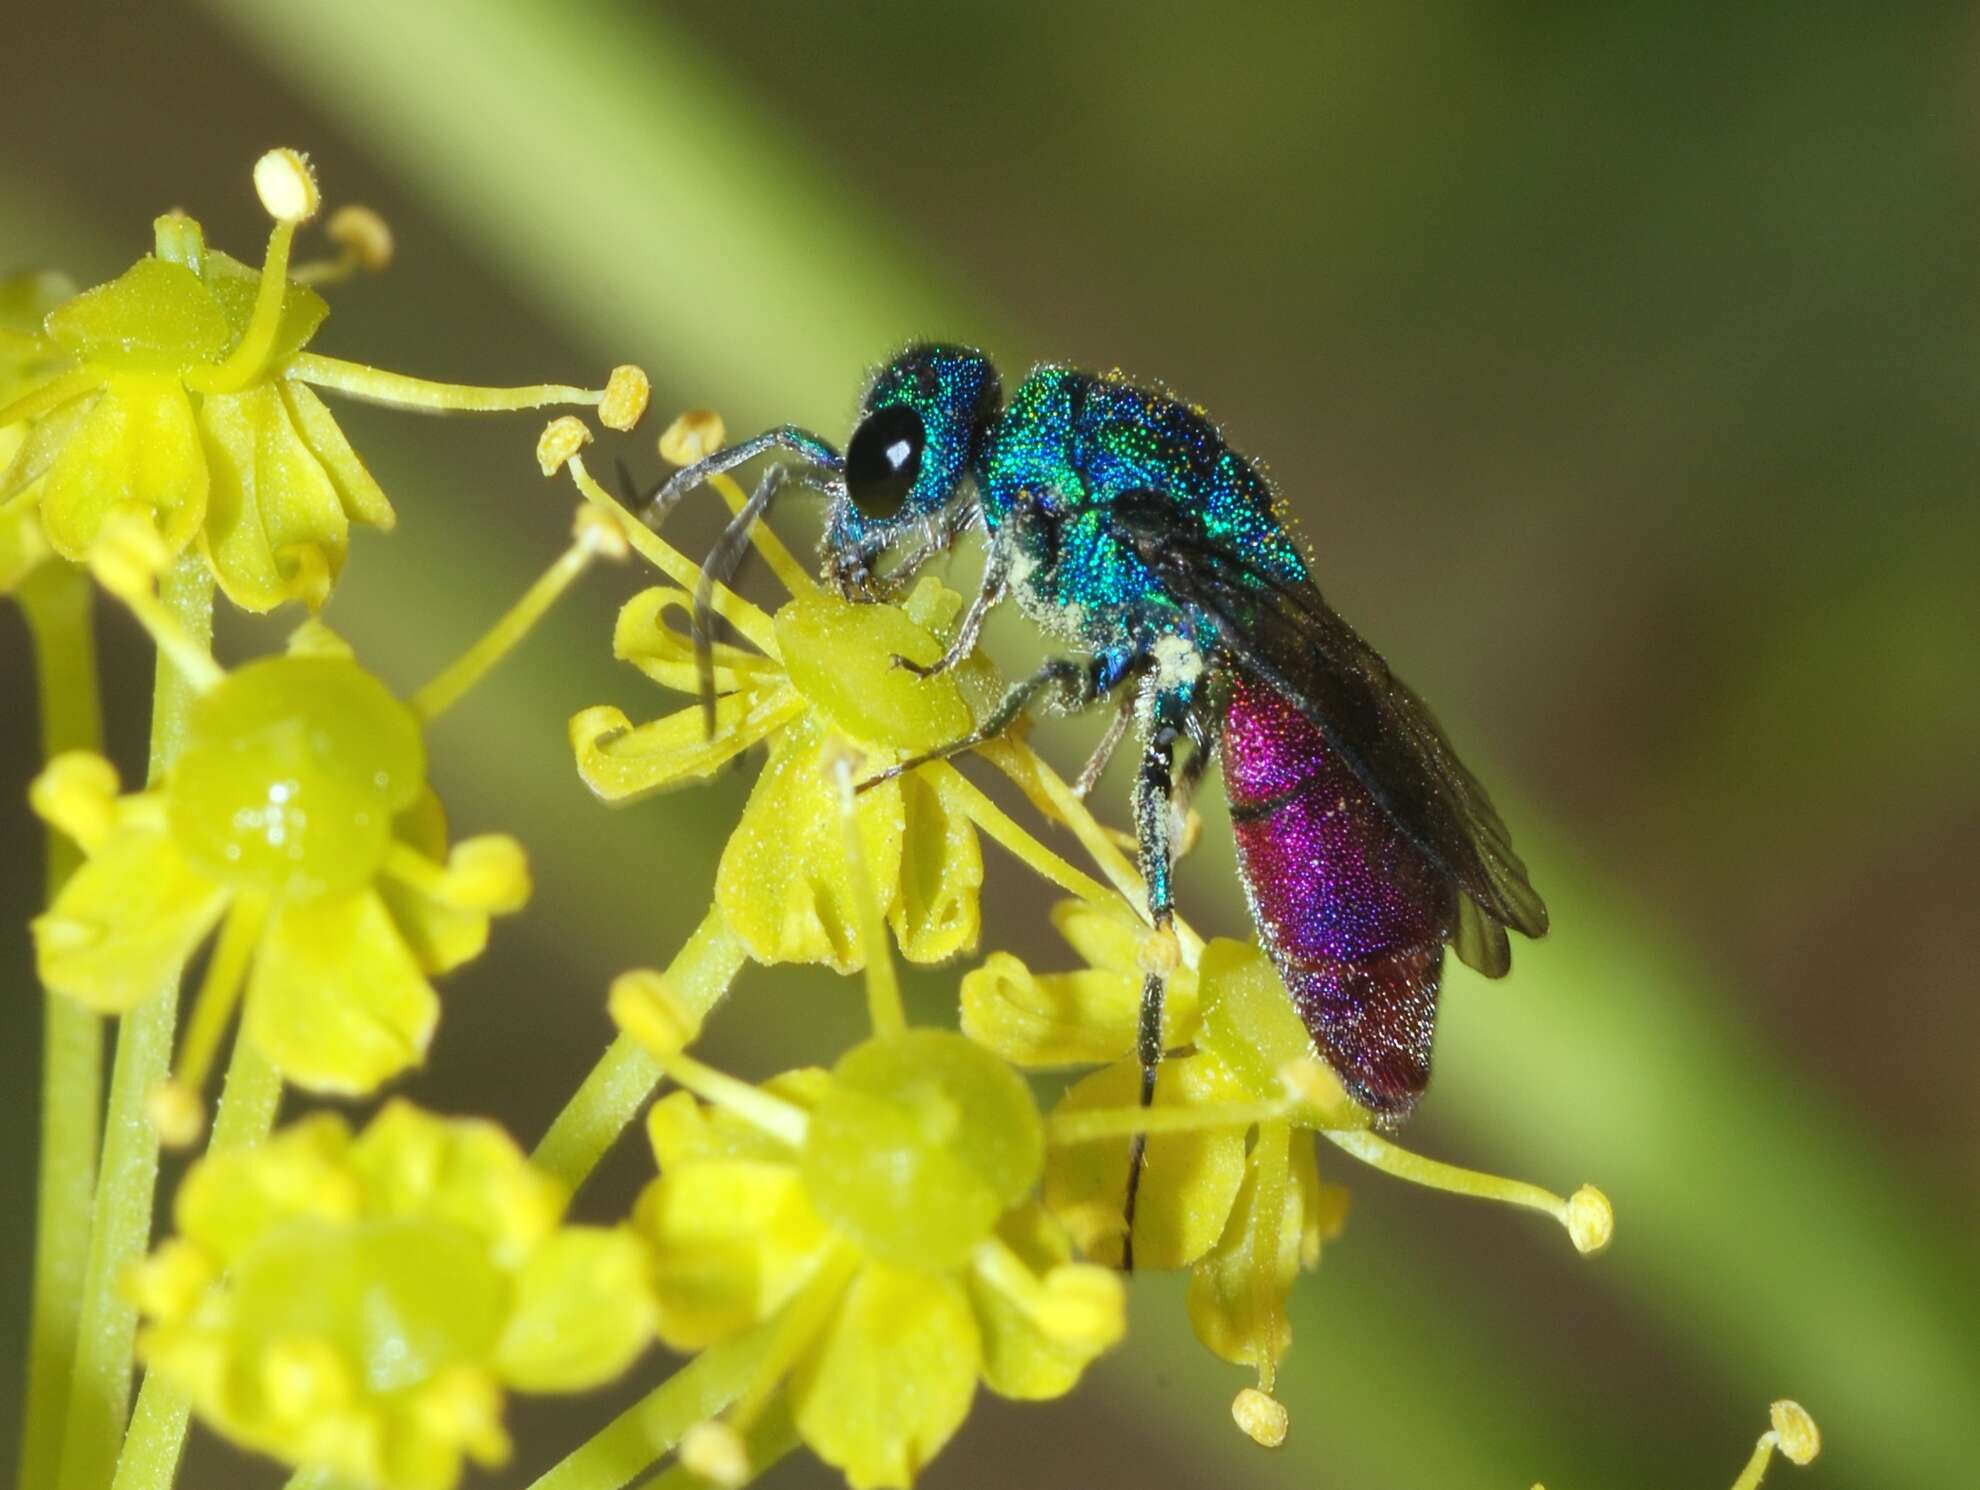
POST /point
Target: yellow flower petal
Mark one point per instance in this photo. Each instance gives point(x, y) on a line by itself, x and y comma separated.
point(621, 762)
point(732, 1240)
point(1250, 1025)
point(125, 922)
point(363, 501)
point(682, 1130)
point(784, 886)
point(1020, 1360)
point(137, 447)
point(582, 1310)
point(893, 1378)
point(337, 999)
point(650, 634)
point(43, 442)
point(269, 501)
point(229, 1201)
point(1226, 1306)
point(937, 914)
point(465, 1171)
point(1188, 1182)
point(1075, 1018)
point(441, 933)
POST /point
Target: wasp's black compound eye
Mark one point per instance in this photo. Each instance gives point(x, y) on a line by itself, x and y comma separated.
point(883, 460)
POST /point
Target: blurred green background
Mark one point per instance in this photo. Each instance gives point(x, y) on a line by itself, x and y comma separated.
point(1622, 366)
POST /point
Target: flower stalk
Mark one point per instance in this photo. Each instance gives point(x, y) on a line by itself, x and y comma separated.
point(58, 604)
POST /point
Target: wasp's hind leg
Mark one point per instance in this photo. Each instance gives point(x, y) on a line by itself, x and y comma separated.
point(1154, 822)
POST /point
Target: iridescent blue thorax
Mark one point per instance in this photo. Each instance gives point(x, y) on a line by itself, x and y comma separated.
point(1068, 450)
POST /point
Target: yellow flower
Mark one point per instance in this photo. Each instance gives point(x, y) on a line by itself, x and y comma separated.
point(183, 392)
point(1229, 1187)
point(297, 820)
point(360, 1303)
point(831, 690)
point(879, 1219)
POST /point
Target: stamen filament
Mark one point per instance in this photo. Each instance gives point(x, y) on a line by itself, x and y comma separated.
point(376, 385)
point(1272, 1154)
point(683, 571)
point(780, 1119)
point(791, 574)
point(1585, 1215)
point(219, 994)
point(121, 573)
point(797, 1327)
point(883, 984)
point(250, 355)
point(443, 691)
point(1094, 1124)
point(960, 794)
point(52, 394)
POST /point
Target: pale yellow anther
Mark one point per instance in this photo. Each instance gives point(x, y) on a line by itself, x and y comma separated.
point(175, 1113)
point(716, 1452)
point(1160, 954)
point(626, 395)
point(643, 1005)
point(287, 186)
point(1795, 1432)
point(1262, 1418)
point(1083, 1306)
point(562, 438)
point(363, 234)
point(694, 435)
point(600, 532)
point(77, 792)
point(128, 553)
point(488, 873)
point(1591, 1220)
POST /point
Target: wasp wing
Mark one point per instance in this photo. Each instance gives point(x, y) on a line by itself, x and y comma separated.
point(1287, 635)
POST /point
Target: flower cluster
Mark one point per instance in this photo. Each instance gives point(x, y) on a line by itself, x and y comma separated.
point(847, 1253)
point(360, 1301)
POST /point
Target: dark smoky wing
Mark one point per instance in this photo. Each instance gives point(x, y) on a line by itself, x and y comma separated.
point(1288, 636)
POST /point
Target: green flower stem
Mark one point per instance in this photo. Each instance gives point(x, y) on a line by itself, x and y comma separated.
point(248, 1104)
point(626, 1074)
point(652, 1426)
point(58, 602)
point(100, 1388)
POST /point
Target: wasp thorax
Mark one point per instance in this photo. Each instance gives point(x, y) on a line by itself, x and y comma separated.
point(922, 1142)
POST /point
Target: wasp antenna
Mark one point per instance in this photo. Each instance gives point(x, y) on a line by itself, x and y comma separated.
point(811, 451)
